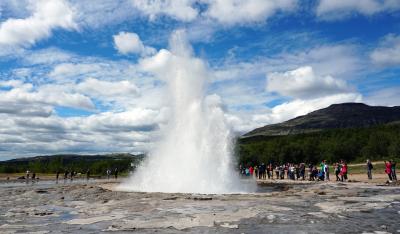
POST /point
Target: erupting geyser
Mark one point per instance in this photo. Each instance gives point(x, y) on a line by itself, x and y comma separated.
point(195, 153)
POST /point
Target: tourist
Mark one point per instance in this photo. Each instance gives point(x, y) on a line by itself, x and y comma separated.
point(337, 171)
point(247, 171)
point(57, 175)
point(369, 169)
point(33, 176)
point(326, 171)
point(393, 163)
point(251, 170)
point(310, 169)
point(255, 171)
point(321, 174)
point(286, 168)
point(116, 173)
point(343, 171)
point(271, 171)
point(72, 175)
point(388, 170)
point(109, 172)
point(314, 173)
point(292, 172)
point(282, 172)
point(302, 171)
point(277, 171)
point(66, 174)
point(87, 174)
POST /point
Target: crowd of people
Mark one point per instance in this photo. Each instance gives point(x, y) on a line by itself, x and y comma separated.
point(312, 172)
point(67, 175)
point(70, 174)
point(294, 171)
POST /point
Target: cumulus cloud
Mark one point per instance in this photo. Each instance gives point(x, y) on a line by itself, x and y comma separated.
point(98, 88)
point(339, 9)
point(297, 107)
point(384, 97)
point(243, 122)
point(246, 11)
point(45, 16)
point(334, 60)
point(21, 94)
point(128, 42)
point(128, 131)
point(178, 9)
point(388, 52)
point(66, 70)
point(137, 119)
point(104, 12)
point(304, 83)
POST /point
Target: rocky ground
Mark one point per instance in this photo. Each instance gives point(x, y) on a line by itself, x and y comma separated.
point(94, 207)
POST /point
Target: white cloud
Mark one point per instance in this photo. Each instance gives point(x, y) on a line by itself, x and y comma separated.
point(297, 107)
point(243, 121)
point(336, 60)
point(304, 83)
point(46, 16)
point(48, 56)
point(98, 88)
point(384, 97)
point(103, 12)
point(128, 131)
point(137, 119)
point(246, 11)
point(388, 52)
point(128, 42)
point(23, 94)
point(178, 9)
point(339, 9)
point(65, 70)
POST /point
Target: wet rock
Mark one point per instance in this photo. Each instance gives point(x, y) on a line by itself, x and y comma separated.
point(41, 191)
point(43, 213)
point(320, 192)
point(202, 198)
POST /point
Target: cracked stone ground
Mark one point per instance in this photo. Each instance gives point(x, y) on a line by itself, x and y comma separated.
point(303, 208)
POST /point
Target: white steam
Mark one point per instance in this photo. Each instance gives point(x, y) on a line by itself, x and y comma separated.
point(195, 154)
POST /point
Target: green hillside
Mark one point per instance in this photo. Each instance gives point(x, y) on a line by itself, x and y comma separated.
point(351, 144)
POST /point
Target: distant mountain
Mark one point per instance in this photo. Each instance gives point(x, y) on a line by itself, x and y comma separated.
point(336, 116)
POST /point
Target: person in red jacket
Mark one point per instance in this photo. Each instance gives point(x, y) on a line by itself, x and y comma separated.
point(388, 170)
point(343, 171)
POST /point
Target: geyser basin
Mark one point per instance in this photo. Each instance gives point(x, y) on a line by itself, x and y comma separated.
point(195, 153)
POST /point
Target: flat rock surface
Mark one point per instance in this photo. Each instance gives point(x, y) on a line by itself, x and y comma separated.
point(95, 207)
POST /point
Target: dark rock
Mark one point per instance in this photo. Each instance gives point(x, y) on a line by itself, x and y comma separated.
point(41, 191)
point(43, 213)
point(202, 198)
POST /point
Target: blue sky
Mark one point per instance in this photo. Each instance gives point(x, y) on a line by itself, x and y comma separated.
point(72, 78)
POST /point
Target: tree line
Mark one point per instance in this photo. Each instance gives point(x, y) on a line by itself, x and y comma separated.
point(352, 145)
point(97, 164)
